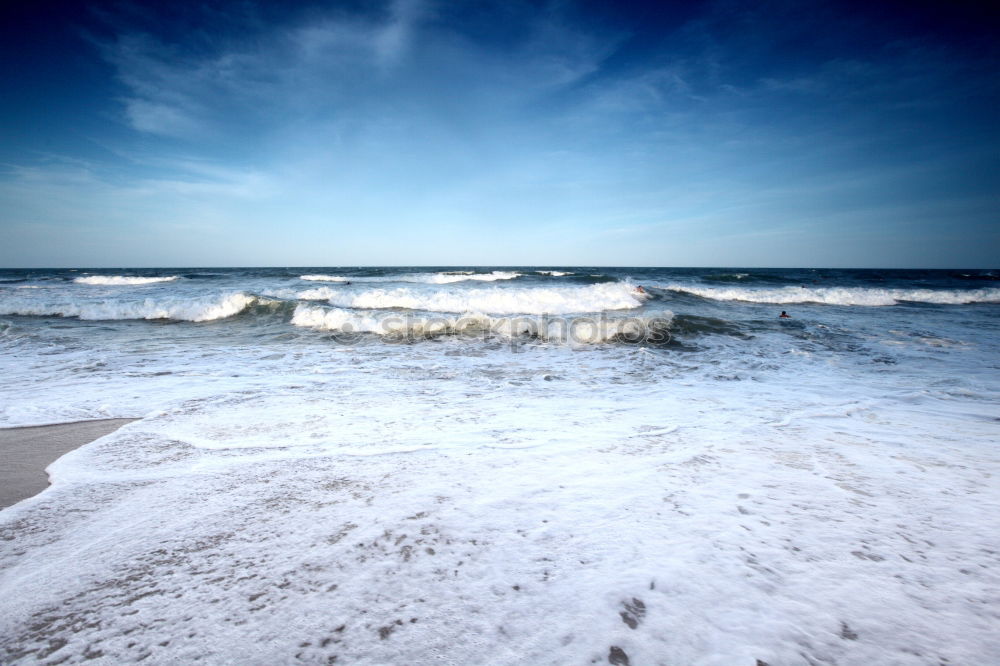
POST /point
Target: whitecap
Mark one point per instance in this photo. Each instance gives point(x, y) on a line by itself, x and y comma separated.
point(446, 277)
point(325, 278)
point(840, 295)
point(119, 280)
point(578, 330)
point(177, 308)
point(495, 300)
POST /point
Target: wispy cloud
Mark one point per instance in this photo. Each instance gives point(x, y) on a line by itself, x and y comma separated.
point(342, 66)
point(398, 116)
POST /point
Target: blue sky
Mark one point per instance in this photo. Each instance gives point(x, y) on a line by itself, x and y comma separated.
point(459, 133)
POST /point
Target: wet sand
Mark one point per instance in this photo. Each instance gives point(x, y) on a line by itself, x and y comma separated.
point(26, 452)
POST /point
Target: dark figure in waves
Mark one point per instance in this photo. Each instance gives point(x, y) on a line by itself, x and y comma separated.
point(784, 315)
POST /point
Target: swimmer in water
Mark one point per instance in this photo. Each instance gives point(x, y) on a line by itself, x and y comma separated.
point(784, 315)
point(640, 289)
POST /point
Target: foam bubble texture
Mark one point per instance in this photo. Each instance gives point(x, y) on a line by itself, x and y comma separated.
point(122, 279)
point(181, 308)
point(533, 300)
point(840, 295)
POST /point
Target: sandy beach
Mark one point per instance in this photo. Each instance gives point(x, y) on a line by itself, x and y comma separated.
point(26, 452)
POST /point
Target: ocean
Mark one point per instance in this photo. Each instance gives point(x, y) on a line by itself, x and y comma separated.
point(506, 465)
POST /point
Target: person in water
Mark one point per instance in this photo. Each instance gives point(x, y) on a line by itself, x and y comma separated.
point(784, 315)
point(640, 289)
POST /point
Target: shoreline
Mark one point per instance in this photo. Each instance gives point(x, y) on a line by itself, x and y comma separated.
point(26, 451)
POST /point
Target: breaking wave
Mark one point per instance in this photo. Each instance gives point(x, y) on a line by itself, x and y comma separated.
point(551, 300)
point(317, 294)
point(179, 309)
point(122, 279)
point(461, 276)
point(840, 295)
point(578, 330)
point(327, 278)
point(446, 277)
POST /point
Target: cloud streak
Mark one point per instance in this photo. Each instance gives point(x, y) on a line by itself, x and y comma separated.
point(404, 116)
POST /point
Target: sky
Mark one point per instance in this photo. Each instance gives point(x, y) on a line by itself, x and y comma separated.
point(422, 132)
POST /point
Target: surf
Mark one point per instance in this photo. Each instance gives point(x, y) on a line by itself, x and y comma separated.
point(852, 296)
point(198, 309)
point(122, 280)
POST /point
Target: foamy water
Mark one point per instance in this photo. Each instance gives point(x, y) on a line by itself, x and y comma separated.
point(200, 308)
point(442, 277)
point(400, 470)
point(535, 300)
point(122, 279)
point(867, 296)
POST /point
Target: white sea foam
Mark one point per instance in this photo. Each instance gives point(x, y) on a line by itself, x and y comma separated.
point(122, 279)
point(840, 295)
point(205, 308)
point(326, 278)
point(446, 277)
point(781, 498)
point(577, 330)
point(554, 273)
point(461, 276)
point(398, 508)
point(317, 294)
point(534, 300)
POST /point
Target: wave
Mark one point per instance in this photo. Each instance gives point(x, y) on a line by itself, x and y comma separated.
point(424, 278)
point(203, 309)
point(755, 277)
point(551, 300)
point(327, 278)
point(726, 277)
point(317, 294)
point(988, 276)
point(462, 276)
point(122, 279)
point(577, 330)
point(554, 273)
point(696, 325)
point(840, 295)
point(589, 279)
